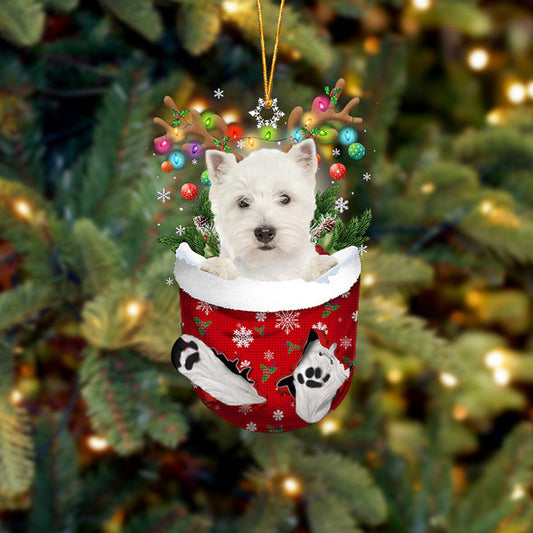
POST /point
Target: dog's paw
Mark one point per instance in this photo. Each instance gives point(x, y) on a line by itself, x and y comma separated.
point(218, 266)
point(319, 265)
point(314, 380)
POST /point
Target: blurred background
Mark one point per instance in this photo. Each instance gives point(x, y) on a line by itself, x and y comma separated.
point(99, 433)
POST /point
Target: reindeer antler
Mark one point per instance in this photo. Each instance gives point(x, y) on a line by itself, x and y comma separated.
point(195, 128)
point(321, 117)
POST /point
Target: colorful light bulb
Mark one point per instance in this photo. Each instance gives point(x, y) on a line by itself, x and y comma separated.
point(193, 150)
point(162, 145)
point(347, 136)
point(320, 103)
point(178, 159)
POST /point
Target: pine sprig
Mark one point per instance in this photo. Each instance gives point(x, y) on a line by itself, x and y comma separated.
point(191, 236)
point(353, 234)
point(325, 201)
point(202, 207)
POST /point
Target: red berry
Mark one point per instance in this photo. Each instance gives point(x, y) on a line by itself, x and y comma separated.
point(189, 191)
point(337, 171)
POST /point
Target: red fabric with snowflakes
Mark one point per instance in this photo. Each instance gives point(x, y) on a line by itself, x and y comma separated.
point(271, 344)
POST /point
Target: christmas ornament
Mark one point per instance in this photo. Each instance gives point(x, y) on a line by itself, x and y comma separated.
point(318, 158)
point(178, 159)
point(167, 166)
point(347, 136)
point(162, 145)
point(356, 150)
point(189, 191)
point(337, 171)
point(204, 178)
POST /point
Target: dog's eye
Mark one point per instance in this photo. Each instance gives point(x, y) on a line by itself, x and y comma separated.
point(242, 203)
point(285, 199)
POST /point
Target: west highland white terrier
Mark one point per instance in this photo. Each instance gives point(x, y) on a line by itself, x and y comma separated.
point(263, 207)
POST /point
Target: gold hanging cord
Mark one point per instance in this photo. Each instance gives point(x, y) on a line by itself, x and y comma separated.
point(268, 84)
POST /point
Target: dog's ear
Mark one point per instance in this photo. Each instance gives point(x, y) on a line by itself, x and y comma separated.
point(304, 154)
point(218, 164)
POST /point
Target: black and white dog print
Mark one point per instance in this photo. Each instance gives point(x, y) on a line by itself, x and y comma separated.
point(315, 380)
point(213, 373)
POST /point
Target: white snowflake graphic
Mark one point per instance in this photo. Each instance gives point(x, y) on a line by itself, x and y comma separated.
point(354, 316)
point(287, 320)
point(346, 342)
point(163, 195)
point(367, 176)
point(241, 144)
point(269, 355)
point(204, 307)
point(335, 152)
point(245, 409)
point(194, 161)
point(277, 114)
point(169, 281)
point(244, 364)
point(277, 414)
point(320, 326)
point(242, 337)
point(219, 93)
point(341, 205)
point(362, 250)
point(180, 230)
point(260, 317)
point(251, 426)
point(345, 294)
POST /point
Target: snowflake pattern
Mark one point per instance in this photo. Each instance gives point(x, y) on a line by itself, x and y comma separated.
point(345, 294)
point(362, 250)
point(244, 364)
point(242, 337)
point(287, 320)
point(260, 317)
point(251, 426)
point(277, 114)
point(341, 204)
point(367, 176)
point(269, 355)
point(218, 94)
point(320, 326)
point(169, 281)
point(277, 414)
point(194, 161)
point(163, 195)
point(180, 230)
point(335, 152)
point(204, 307)
point(346, 342)
point(245, 409)
point(241, 144)
point(354, 316)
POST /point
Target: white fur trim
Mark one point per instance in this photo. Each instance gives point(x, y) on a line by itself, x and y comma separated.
point(247, 294)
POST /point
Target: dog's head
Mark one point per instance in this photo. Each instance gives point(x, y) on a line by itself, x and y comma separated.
point(263, 205)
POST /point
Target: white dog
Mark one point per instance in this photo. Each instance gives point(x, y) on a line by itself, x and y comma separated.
point(263, 207)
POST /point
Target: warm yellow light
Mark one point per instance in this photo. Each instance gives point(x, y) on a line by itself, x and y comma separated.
point(486, 207)
point(23, 208)
point(494, 358)
point(459, 412)
point(134, 308)
point(474, 299)
point(198, 105)
point(516, 92)
point(16, 397)
point(251, 142)
point(292, 486)
point(97, 444)
point(371, 45)
point(530, 89)
point(427, 188)
point(230, 6)
point(518, 492)
point(329, 426)
point(501, 376)
point(448, 380)
point(394, 375)
point(478, 59)
point(495, 117)
point(421, 5)
point(369, 279)
point(230, 116)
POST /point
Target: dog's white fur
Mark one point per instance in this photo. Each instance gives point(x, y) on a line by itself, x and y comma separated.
point(253, 194)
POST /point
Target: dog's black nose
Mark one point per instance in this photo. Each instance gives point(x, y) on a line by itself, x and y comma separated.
point(264, 234)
